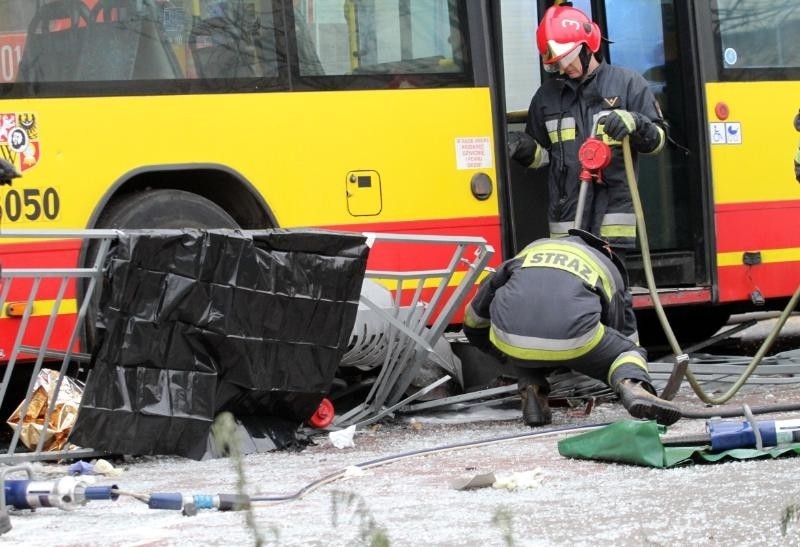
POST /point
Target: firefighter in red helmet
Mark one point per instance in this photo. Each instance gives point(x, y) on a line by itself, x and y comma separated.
point(586, 96)
point(561, 35)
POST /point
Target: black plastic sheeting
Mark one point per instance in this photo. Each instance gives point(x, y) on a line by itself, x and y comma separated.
point(195, 322)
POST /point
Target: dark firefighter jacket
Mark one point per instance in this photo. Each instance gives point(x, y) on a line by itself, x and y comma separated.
point(551, 302)
point(562, 114)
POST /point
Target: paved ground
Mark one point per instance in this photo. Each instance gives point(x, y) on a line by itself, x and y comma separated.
point(410, 501)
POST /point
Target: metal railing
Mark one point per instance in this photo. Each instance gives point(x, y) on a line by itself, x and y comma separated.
point(413, 326)
point(41, 348)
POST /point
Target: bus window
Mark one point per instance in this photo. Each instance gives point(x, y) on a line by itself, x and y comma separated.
point(520, 58)
point(15, 15)
point(66, 46)
point(231, 40)
point(758, 34)
point(357, 37)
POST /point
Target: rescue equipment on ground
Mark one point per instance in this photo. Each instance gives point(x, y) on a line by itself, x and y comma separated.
point(67, 493)
point(648, 444)
point(724, 435)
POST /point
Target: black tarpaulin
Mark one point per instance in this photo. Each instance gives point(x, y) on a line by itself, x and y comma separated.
point(194, 322)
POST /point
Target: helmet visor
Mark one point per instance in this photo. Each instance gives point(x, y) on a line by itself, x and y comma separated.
point(558, 58)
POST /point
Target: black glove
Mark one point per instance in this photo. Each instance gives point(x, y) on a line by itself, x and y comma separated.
point(7, 172)
point(521, 147)
point(621, 123)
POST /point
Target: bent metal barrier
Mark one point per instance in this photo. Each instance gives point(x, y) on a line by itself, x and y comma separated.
point(28, 283)
point(397, 334)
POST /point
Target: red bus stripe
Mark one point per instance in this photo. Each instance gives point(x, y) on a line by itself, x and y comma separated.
point(397, 256)
point(774, 280)
point(34, 333)
point(673, 298)
point(39, 254)
point(35, 253)
point(757, 226)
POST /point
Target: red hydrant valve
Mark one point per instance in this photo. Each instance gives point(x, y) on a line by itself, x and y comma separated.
point(594, 155)
point(323, 417)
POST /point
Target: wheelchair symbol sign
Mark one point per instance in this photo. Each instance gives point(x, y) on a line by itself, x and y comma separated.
point(725, 133)
point(717, 133)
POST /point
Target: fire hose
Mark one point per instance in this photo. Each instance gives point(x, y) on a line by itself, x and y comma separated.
point(594, 157)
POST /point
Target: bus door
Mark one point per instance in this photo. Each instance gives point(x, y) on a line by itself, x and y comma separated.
point(654, 38)
point(657, 43)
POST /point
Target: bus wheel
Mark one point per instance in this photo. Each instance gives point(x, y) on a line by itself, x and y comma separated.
point(165, 208)
point(161, 208)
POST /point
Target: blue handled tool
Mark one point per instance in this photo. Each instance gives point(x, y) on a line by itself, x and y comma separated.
point(724, 435)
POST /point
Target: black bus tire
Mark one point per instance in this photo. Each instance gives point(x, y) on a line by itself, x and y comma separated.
point(161, 208)
point(165, 208)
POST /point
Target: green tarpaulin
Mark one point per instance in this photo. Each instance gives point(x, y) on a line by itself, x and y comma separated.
point(638, 442)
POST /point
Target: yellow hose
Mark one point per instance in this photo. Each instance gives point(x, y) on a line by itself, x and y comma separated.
point(681, 360)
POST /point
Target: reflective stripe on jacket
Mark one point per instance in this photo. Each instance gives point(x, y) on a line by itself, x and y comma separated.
point(552, 302)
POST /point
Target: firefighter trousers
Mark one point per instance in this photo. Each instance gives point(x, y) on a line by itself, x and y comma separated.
point(613, 359)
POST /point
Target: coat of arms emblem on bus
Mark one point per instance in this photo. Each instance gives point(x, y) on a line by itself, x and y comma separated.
point(19, 140)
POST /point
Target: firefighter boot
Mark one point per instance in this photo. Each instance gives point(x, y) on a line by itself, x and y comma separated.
point(535, 408)
point(641, 402)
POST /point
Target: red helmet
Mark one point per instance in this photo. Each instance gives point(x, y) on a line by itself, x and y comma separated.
point(561, 33)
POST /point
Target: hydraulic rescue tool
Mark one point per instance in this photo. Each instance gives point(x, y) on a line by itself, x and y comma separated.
point(724, 435)
point(66, 493)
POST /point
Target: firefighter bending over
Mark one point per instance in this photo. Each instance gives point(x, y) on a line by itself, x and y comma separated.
point(561, 303)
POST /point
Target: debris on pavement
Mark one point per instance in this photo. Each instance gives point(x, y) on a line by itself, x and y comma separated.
point(343, 438)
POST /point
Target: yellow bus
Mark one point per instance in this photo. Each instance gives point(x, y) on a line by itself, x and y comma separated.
point(390, 115)
point(342, 114)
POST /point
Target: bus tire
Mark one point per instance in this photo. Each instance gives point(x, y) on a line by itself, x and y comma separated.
point(165, 208)
point(160, 208)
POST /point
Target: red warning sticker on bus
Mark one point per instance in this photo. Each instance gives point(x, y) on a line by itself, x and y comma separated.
point(19, 139)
